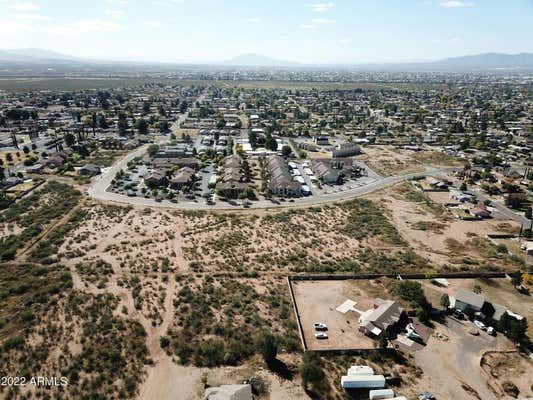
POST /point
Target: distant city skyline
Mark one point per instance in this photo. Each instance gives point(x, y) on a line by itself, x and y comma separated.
point(324, 32)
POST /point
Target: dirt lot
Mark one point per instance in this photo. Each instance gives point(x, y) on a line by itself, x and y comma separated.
point(317, 302)
point(387, 160)
point(507, 369)
point(452, 359)
point(439, 236)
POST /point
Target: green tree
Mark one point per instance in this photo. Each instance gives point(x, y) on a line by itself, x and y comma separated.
point(252, 138)
point(445, 301)
point(312, 373)
point(70, 139)
point(516, 279)
point(529, 212)
point(142, 126)
point(122, 124)
point(382, 340)
point(153, 149)
point(267, 345)
point(163, 126)
point(271, 143)
point(412, 291)
point(286, 151)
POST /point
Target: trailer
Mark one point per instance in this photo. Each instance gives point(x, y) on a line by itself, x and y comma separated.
point(363, 382)
point(360, 370)
point(381, 394)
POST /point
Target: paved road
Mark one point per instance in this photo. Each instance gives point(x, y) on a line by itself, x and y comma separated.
point(510, 214)
point(181, 119)
point(99, 187)
point(99, 190)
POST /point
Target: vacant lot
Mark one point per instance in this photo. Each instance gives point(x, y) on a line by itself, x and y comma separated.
point(387, 160)
point(449, 243)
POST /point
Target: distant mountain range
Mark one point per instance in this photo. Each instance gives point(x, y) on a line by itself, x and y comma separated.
point(258, 60)
point(33, 55)
point(486, 61)
point(491, 60)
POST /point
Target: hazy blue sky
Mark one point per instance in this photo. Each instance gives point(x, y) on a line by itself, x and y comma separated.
point(305, 31)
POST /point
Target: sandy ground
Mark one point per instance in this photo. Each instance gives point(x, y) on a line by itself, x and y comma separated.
point(450, 363)
point(509, 366)
point(317, 302)
point(387, 160)
point(136, 243)
point(433, 243)
point(169, 381)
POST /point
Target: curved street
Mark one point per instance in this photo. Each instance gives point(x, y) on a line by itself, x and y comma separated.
point(98, 190)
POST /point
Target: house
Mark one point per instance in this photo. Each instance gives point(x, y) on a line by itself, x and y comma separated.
point(184, 177)
point(175, 151)
point(156, 178)
point(54, 161)
point(469, 302)
point(325, 172)
point(281, 181)
point(10, 182)
point(231, 183)
point(321, 140)
point(498, 313)
point(89, 170)
point(229, 392)
point(384, 315)
point(480, 211)
point(34, 169)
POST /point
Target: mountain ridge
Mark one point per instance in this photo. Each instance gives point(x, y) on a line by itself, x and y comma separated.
point(493, 60)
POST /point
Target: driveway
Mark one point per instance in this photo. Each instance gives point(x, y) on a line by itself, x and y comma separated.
point(453, 361)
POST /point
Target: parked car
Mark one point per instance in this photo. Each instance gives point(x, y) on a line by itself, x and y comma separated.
point(414, 336)
point(458, 314)
point(480, 325)
point(491, 331)
point(321, 335)
point(426, 396)
point(320, 326)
